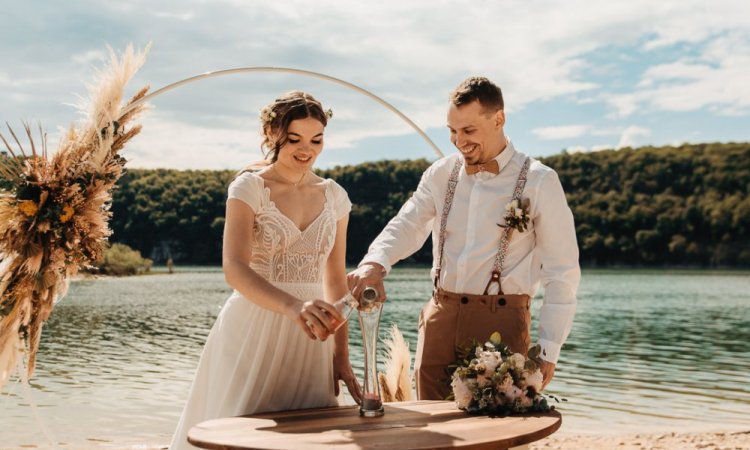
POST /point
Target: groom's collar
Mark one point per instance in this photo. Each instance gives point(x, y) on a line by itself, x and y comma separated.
point(506, 155)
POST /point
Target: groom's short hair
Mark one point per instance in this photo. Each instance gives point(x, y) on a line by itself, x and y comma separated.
point(481, 89)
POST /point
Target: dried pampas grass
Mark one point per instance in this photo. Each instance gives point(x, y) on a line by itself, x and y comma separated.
point(54, 216)
point(396, 381)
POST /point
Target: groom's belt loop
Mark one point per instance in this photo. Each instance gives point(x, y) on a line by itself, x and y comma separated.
point(493, 301)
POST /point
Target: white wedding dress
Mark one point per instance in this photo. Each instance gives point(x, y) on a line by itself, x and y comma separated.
point(256, 360)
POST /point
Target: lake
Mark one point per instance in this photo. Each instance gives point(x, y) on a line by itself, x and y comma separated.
point(651, 350)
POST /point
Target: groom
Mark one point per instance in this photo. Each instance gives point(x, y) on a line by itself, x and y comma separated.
point(500, 227)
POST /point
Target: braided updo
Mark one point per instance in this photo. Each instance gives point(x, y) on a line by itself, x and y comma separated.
point(276, 117)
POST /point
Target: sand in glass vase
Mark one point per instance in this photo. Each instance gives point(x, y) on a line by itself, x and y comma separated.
point(369, 320)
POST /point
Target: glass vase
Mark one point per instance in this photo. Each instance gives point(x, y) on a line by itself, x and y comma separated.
point(369, 321)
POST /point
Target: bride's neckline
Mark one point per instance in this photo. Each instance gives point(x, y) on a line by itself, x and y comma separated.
point(272, 204)
point(278, 177)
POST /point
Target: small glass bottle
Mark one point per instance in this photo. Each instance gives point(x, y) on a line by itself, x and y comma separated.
point(345, 305)
point(369, 320)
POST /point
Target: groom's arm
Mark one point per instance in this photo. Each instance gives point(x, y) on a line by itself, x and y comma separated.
point(408, 230)
point(558, 250)
point(404, 235)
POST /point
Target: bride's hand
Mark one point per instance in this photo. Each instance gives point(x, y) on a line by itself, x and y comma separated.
point(342, 370)
point(317, 318)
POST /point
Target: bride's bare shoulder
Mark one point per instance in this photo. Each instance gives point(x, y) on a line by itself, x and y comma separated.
point(316, 179)
point(263, 173)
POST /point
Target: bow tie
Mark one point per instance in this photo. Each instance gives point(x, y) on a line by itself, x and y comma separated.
point(491, 167)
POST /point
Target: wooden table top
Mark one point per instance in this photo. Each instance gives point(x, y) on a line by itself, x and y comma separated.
point(406, 425)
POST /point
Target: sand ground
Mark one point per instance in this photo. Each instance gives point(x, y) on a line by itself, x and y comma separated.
point(730, 440)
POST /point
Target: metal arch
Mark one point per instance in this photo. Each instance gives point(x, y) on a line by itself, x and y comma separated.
point(308, 73)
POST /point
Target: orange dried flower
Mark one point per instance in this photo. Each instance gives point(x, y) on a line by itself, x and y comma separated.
point(67, 213)
point(28, 207)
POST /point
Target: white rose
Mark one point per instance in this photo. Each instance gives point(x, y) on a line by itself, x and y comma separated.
point(517, 361)
point(490, 360)
point(505, 383)
point(512, 393)
point(534, 380)
point(514, 203)
point(461, 392)
point(509, 207)
point(519, 212)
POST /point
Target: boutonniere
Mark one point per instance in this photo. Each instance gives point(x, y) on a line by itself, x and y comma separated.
point(517, 216)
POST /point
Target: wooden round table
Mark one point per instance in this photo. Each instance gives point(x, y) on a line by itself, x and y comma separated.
point(407, 425)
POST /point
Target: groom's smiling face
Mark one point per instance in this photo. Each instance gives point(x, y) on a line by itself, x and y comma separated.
point(476, 132)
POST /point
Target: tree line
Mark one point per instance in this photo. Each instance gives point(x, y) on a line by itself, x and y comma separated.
point(650, 206)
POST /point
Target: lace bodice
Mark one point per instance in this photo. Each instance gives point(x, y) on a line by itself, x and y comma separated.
point(282, 253)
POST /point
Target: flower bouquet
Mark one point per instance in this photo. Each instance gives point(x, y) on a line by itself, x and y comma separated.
point(54, 210)
point(489, 379)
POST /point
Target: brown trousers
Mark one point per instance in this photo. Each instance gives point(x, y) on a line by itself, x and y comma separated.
point(449, 321)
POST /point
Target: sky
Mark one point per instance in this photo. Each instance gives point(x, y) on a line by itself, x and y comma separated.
point(579, 75)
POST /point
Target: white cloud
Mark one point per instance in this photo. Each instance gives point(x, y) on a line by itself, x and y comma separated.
point(715, 80)
point(632, 136)
point(624, 104)
point(560, 132)
point(170, 143)
point(411, 53)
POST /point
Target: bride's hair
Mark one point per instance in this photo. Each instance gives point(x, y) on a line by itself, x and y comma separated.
point(276, 117)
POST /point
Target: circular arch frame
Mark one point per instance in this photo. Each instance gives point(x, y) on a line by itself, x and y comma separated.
point(288, 70)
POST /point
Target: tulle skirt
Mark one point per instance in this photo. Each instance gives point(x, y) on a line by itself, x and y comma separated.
point(256, 361)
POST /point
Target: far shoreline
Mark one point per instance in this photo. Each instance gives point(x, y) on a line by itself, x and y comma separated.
point(648, 270)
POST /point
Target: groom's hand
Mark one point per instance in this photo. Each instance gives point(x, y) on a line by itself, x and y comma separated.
point(367, 275)
point(548, 371)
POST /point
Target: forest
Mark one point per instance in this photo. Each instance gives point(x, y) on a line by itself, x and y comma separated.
point(685, 206)
point(650, 206)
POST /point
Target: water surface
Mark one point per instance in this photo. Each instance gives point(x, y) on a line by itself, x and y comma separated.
point(649, 351)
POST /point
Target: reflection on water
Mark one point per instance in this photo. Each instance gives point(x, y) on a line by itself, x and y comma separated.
point(659, 350)
point(649, 350)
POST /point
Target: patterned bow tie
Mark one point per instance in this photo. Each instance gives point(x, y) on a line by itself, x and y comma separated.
point(490, 167)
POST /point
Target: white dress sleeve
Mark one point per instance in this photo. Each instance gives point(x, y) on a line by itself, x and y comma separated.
point(341, 203)
point(248, 188)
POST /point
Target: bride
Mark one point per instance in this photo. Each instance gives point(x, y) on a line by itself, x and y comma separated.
point(283, 253)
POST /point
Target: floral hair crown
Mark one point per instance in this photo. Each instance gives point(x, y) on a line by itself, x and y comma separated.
point(267, 114)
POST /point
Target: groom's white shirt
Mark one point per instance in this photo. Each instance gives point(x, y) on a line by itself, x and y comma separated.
point(546, 253)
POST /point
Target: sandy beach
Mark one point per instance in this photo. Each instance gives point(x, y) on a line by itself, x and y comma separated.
point(730, 440)
point(723, 440)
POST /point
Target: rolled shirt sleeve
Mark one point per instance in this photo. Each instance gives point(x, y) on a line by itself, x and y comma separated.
point(408, 230)
point(560, 272)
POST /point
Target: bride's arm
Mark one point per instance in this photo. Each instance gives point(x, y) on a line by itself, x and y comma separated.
point(336, 287)
point(236, 253)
